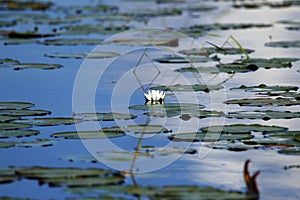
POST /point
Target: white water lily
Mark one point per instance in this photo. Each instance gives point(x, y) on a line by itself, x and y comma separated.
point(155, 95)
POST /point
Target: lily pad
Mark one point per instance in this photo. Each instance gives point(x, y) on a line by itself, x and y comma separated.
point(168, 107)
point(232, 146)
point(265, 88)
point(179, 59)
point(93, 29)
point(265, 115)
point(18, 133)
point(105, 116)
point(25, 35)
point(104, 133)
point(15, 105)
point(71, 177)
point(70, 41)
point(165, 151)
point(28, 5)
point(185, 115)
point(213, 50)
point(146, 42)
point(146, 128)
point(259, 102)
point(7, 175)
point(7, 62)
point(207, 137)
point(17, 41)
point(80, 158)
point(6, 144)
point(284, 44)
point(24, 112)
point(50, 121)
point(7, 118)
point(243, 129)
point(36, 66)
point(272, 142)
point(188, 88)
point(92, 55)
point(13, 126)
point(36, 143)
point(290, 151)
point(252, 64)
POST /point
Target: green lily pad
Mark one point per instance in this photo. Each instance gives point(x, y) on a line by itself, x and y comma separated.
point(146, 128)
point(7, 118)
point(15, 105)
point(295, 151)
point(291, 166)
point(252, 64)
point(243, 129)
point(265, 88)
point(265, 115)
point(213, 50)
point(179, 59)
point(168, 107)
point(17, 41)
point(13, 126)
point(28, 5)
point(188, 88)
point(105, 116)
point(7, 175)
point(232, 146)
point(50, 121)
point(6, 144)
point(18, 133)
point(36, 66)
point(71, 177)
point(24, 112)
point(70, 41)
point(165, 151)
point(93, 29)
point(8, 62)
point(36, 143)
point(146, 42)
point(272, 142)
point(259, 102)
point(207, 137)
point(146, 13)
point(25, 35)
point(104, 133)
point(80, 158)
point(185, 115)
point(284, 44)
point(92, 55)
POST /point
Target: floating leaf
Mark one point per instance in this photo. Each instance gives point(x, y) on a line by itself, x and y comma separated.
point(6, 144)
point(71, 41)
point(265, 115)
point(265, 88)
point(17, 41)
point(80, 158)
point(272, 142)
point(36, 66)
point(25, 5)
point(15, 105)
point(105, 116)
point(92, 55)
point(50, 121)
point(146, 128)
point(24, 112)
point(104, 133)
point(17, 133)
point(36, 143)
point(25, 35)
point(13, 126)
point(146, 42)
point(243, 128)
point(213, 50)
point(185, 115)
point(71, 177)
point(169, 107)
point(7, 118)
point(188, 88)
point(284, 44)
point(7, 175)
point(290, 151)
point(259, 102)
point(232, 146)
point(93, 29)
point(207, 137)
point(179, 59)
point(165, 151)
point(7, 62)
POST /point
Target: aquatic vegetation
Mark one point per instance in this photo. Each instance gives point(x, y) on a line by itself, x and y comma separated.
point(284, 44)
point(265, 88)
point(104, 133)
point(155, 96)
point(91, 55)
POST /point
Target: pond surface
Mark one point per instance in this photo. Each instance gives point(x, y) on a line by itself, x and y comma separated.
point(209, 79)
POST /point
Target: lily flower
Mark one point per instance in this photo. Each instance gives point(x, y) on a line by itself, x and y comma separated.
point(155, 96)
